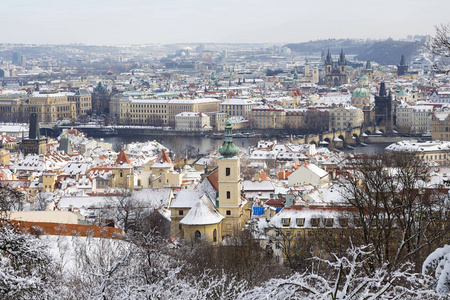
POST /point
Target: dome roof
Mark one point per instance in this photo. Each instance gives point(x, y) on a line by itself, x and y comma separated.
point(228, 149)
point(402, 93)
point(360, 93)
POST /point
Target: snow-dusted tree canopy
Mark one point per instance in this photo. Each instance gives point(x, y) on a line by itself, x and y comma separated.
point(144, 267)
point(26, 267)
point(438, 263)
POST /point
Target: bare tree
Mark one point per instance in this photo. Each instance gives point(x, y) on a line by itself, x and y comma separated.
point(398, 213)
point(440, 46)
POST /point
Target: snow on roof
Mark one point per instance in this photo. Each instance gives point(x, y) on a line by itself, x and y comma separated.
point(153, 198)
point(191, 114)
point(308, 213)
point(316, 170)
point(265, 185)
point(202, 213)
point(442, 115)
point(186, 198)
point(82, 202)
point(73, 168)
point(416, 146)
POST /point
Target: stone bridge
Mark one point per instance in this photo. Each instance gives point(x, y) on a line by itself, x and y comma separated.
point(341, 138)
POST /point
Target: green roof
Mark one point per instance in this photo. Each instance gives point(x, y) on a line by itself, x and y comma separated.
point(228, 149)
point(360, 93)
point(402, 93)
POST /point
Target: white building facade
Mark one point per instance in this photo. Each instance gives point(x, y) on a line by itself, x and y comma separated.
point(192, 121)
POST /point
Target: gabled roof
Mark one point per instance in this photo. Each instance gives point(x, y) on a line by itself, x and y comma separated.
point(202, 213)
point(163, 160)
point(163, 157)
point(122, 158)
point(213, 178)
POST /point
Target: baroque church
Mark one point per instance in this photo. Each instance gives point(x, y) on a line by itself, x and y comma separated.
point(215, 209)
point(336, 71)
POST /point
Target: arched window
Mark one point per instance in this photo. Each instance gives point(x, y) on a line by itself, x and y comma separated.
point(228, 194)
point(215, 235)
point(227, 171)
point(121, 174)
point(198, 236)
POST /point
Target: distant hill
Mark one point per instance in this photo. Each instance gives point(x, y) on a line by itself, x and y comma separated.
point(386, 52)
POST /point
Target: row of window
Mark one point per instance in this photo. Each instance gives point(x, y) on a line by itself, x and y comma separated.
point(328, 222)
point(181, 213)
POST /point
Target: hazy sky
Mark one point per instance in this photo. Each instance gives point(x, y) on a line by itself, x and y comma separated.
point(107, 22)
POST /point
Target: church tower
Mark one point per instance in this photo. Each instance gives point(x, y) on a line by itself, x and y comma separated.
point(122, 173)
point(336, 72)
point(384, 109)
point(229, 181)
point(369, 71)
point(402, 68)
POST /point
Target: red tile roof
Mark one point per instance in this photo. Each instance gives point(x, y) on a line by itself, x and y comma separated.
point(214, 179)
point(122, 158)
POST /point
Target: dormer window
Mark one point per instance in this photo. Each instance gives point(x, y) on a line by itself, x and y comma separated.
point(315, 222)
point(286, 221)
point(300, 221)
point(329, 222)
point(343, 222)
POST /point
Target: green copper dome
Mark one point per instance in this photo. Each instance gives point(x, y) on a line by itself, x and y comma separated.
point(228, 149)
point(360, 93)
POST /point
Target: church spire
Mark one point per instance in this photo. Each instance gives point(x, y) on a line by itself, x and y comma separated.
point(402, 61)
point(228, 149)
point(368, 65)
point(342, 57)
point(329, 61)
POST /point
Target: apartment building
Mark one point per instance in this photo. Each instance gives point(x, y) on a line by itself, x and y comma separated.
point(49, 107)
point(268, 116)
point(440, 126)
point(238, 107)
point(82, 99)
point(158, 112)
point(414, 118)
point(192, 121)
point(346, 117)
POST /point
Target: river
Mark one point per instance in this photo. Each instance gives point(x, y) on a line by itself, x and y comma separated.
point(178, 144)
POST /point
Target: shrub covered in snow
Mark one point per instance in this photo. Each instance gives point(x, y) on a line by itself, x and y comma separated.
point(438, 263)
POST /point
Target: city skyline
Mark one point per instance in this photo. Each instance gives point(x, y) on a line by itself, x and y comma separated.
point(142, 22)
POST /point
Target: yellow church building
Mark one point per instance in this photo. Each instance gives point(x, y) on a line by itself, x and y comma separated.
point(122, 173)
point(216, 209)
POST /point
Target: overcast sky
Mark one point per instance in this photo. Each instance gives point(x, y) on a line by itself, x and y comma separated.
point(108, 22)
